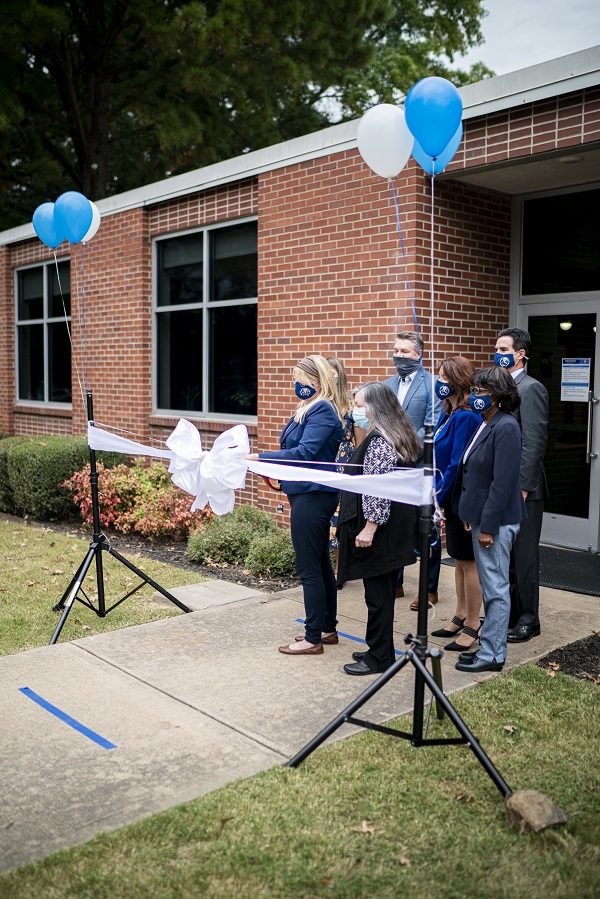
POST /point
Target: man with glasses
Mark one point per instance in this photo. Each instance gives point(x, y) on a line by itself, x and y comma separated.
point(412, 385)
point(513, 347)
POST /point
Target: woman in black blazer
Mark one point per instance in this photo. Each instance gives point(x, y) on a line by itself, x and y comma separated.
point(488, 499)
point(314, 432)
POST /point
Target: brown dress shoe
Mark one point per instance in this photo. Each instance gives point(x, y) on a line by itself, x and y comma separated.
point(432, 598)
point(315, 650)
point(330, 639)
point(399, 592)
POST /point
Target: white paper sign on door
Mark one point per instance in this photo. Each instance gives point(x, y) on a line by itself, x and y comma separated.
point(575, 380)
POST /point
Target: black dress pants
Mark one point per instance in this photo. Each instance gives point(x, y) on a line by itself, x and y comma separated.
point(380, 599)
point(309, 523)
point(525, 568)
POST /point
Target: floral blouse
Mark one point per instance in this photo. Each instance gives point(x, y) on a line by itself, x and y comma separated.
point(379, 459)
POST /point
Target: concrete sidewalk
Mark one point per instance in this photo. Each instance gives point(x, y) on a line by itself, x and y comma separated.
point(193, 702)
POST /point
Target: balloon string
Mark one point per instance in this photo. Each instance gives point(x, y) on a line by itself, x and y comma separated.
point(62, 297)
point(432, 288)
point(408, 281)
point(83, 316)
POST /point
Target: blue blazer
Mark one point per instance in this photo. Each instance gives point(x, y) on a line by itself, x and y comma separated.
point(450, 443)
point(487, 491)
point(418, 400)
point(317, 436)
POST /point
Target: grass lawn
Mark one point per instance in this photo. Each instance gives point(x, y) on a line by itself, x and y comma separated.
point(371, 816)
point(36, 565)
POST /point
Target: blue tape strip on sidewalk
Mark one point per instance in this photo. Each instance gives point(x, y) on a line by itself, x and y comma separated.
point(76, 725)
point(399, 652)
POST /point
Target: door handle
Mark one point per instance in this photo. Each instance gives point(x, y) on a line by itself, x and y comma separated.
point(589, 455)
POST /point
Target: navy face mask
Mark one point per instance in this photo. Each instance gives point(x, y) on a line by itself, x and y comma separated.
point(504, 360)
point(443, 390)
point(303, 391)
point(480, 404)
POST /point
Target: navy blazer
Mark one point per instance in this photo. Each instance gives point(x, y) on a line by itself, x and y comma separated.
point(418, 400)
point(450, 443)
point(317, 436)
point(487, 491)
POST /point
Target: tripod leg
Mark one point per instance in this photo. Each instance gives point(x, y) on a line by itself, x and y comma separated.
point(460, 725)
point(436, 670)
point(76, 584)
point(148, 579)
point(347, 713)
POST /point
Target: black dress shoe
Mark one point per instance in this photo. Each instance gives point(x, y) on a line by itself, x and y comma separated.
point(474, 665)
point(466, 657)
point(359, 668)
point(523, 632)
point(358, 656)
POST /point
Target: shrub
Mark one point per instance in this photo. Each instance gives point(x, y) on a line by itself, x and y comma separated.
point(32, 473)
point(228, 537)
point(272, 555)
point(137, 499)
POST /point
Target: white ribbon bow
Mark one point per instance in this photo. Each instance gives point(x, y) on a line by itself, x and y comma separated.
point(211, 476)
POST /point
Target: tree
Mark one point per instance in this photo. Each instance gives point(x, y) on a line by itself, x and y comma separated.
point(102, 96)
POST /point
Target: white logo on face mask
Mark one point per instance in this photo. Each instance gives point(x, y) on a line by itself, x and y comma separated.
point(504, 363)
point(305, 392)
point(444, 390)
point(479, 404)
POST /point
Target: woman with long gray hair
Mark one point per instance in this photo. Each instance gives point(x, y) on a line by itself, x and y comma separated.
point(377, 536)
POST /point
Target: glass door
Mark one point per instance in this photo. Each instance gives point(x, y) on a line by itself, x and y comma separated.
point(564, 342)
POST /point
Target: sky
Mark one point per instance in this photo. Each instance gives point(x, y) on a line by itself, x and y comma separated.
point(521, 33)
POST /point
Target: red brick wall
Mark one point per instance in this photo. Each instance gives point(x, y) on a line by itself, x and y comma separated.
point(570, 120)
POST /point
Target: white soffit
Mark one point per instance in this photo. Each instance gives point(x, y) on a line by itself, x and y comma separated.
point(548, 79)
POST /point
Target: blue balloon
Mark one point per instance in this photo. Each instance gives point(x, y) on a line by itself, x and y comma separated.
point(433, 111)
point(73, 215)
point(44, 225)
point(438, 165)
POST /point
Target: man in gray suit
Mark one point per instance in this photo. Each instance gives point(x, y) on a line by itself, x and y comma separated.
point(412, 385)
point(512, 352)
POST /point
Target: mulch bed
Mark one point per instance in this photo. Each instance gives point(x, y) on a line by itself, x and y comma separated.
point(580, 659)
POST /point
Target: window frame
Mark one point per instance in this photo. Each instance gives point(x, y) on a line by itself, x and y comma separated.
point(45, 321)
point(205, 305)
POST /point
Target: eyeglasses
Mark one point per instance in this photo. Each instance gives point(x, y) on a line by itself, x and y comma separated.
point(481, 391)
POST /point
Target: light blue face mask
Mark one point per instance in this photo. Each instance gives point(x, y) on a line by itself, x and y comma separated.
point(360, 419)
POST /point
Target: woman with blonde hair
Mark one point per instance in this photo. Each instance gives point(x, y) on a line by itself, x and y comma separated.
point(347, 446)
point(313, 434)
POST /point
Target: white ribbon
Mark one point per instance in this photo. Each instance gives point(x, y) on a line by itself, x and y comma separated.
point(213, 476)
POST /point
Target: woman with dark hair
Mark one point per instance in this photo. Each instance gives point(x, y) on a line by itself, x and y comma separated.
point(376, 536)
point(488, 499)
point(313, 433)
point(454, 431)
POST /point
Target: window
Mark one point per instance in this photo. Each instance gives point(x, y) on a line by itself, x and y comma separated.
point(561, 243)
point(43, 346)
point(205, 321)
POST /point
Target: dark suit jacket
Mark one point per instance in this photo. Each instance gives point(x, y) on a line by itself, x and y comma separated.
point(317, 436)
point(532, 416)
point(487, 491)
point(418, 400)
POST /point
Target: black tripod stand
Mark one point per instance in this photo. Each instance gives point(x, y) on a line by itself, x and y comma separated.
point(98, 545)
point(416, 655)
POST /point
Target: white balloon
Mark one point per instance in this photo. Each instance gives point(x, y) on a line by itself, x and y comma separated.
point(384, 141)
point(95, 224)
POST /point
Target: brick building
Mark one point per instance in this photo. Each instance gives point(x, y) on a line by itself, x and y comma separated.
point(199, 293)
